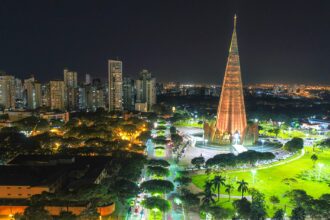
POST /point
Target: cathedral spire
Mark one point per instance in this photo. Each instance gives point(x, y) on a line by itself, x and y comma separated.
point(233, 44)
point(231, 116)
point(235, 20)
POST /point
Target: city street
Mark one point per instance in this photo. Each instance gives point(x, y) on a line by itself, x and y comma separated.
point(138, 213)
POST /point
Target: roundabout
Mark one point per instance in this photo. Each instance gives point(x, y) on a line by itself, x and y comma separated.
point(198, 146)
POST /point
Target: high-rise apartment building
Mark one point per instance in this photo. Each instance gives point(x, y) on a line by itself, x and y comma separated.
point(32, 91)
point(19, 102)
point(45, 95)
point(128, 93)
point(70, 78)
point(94, 97)
point(7, 91)
point(115, 78)
point(88, 79)
point(71, 84)
point(146, 89)
point(57, 95)
point(82, 99)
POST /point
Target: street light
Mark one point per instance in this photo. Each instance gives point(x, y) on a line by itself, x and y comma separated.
point(320, 165)
point(262, 145)
point(236, 138)
point(253, 172)
point(179, 202)
point(205, 142)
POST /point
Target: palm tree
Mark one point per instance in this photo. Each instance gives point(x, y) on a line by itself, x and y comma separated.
point(207, 194)
point(217, 182)
point(314, 159)
point(242, 187)
point(207, 199)
point(208, 186)
point(229, 189)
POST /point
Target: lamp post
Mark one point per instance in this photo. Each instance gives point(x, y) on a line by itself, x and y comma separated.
point(205, 142)
point(262, 145)
point(179, 202)
point(236, 138)
point(253, 172)
point(320, 165)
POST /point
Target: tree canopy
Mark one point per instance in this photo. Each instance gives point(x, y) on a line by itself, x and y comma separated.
point(156, 203)
point(294, 144)
point(157, 186)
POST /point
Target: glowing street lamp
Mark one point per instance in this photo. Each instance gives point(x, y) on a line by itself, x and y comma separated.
point(173, 109)
point(179, 202)
point(262, 145)
point(236, 138)
point(253, 172)
point(320, 165)
point(208, 216)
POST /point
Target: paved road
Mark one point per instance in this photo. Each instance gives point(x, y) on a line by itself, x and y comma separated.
point(173, 214)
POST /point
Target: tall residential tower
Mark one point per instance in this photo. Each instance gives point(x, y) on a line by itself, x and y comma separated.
point(115, 77)
point(145, 90)
point(71, 84)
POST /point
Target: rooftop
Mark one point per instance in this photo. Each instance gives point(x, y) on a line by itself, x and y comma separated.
point(42, 170)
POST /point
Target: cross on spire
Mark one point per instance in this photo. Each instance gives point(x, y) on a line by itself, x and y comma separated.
point(235, 19)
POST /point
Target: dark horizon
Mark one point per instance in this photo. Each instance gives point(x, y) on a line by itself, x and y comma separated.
point(186, 41)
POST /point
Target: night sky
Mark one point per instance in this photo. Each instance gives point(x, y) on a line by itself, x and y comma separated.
point(177, 40)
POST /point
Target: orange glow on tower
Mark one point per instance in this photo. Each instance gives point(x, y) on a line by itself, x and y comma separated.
point(231, 116)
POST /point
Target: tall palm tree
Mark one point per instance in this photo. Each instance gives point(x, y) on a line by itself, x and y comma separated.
point(229, 189)
point(207, 199)
point(242, 187)
point(217, 182)
point(208, 186)
point(207, 194)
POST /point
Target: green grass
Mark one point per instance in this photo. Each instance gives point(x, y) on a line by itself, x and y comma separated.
point(155, 215)
point(159, 152)
point(270, 181)
point(188, 123)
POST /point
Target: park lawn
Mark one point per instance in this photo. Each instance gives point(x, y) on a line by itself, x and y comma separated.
point(270, 181)
point(155, 215)
point(159, 152)
point(188, 123)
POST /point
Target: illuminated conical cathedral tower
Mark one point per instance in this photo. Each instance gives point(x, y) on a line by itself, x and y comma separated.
point(230, 125)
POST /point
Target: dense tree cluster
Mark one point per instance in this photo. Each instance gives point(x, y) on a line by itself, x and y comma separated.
point(84, 134)
point(157, 186)
point(230, 160)
point(154, 162)
point(158, 171)
point(294, 144)
point(306, 205)
point(324, 143)
point(156, 203)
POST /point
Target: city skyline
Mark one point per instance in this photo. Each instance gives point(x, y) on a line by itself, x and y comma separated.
point(287, 45)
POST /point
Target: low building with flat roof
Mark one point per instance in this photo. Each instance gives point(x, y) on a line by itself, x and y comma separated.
point(28, 175)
